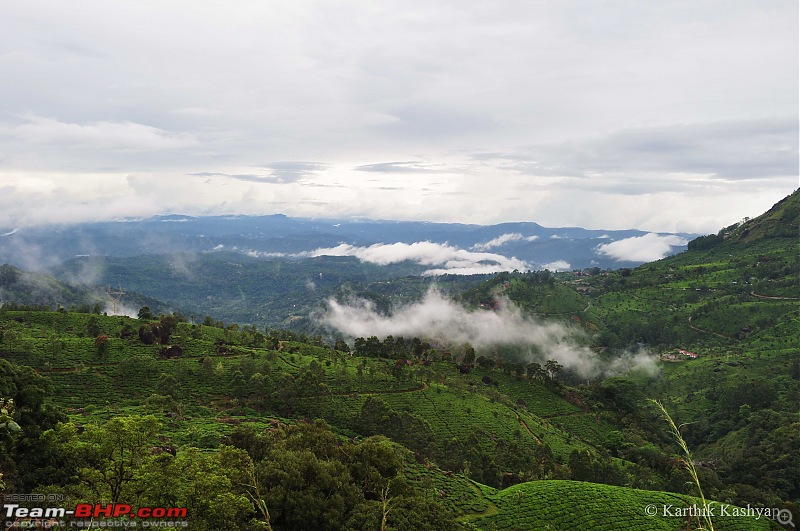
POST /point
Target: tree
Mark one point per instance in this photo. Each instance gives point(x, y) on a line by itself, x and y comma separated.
point(239, 386)
point(304, 491)
point(535, 371)
point(25, 459)
point(212, 486)
point(110, 457)
point(92, 327)
point(167, 385)
point(145, 314)
point(146, 335)
point(102, 345)
point(7, 424)
point(553, 368)
point(469, 355)
point(9, 275)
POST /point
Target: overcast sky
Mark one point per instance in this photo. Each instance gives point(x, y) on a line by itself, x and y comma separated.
point(663, 116)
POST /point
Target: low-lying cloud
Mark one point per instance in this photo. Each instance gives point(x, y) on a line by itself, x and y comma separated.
point(441, 319)
point(502, 240)
point(450, 260)
point(645, 248)
point(557, 265)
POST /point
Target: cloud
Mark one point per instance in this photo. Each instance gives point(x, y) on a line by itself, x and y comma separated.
point(289, 172)
point(326, 82)
point(278, 173)
point(122, 309)
point(441, 319)
point(502, 240)
point(396, 167)
point(645, 248)
point(628, 159)
point(249, 177)
point(558, 265)
point(118, 136)
point(454, 261)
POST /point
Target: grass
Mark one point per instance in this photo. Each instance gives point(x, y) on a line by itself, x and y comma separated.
point(687, 461)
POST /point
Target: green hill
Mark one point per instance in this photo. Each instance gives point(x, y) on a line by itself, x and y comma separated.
point(470, 434)
point(732, 301)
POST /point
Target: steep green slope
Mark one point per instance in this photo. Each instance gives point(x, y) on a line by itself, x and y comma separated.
point(577, 505)
point(732, 301)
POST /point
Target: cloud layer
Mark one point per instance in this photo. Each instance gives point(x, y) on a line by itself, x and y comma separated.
point(439, 318)
point(502, 240)
point(645, 248)
point(637, 113)
point(452, 260)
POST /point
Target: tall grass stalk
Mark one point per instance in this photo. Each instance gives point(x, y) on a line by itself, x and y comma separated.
point(687, 460)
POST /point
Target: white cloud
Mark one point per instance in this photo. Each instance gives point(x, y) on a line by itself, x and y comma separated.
point(502, 240)
point(452, 260)
point(645, 248)
point(439, 318)
point(558, 265)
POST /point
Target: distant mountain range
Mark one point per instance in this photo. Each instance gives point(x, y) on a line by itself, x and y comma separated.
point(468, 248)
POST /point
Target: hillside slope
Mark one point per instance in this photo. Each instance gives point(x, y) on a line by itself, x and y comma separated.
point(204, 385)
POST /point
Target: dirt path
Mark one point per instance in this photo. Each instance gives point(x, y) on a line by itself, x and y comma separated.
point(422, 387)
point(774, 298)
point(490, 510)
point(698, 329)
point(525, 425)
point(438, 416)
point(560, 415)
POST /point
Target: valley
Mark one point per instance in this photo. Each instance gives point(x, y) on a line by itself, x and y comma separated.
point(256, 408)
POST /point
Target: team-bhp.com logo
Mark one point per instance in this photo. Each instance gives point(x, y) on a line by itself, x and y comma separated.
point(17, 516)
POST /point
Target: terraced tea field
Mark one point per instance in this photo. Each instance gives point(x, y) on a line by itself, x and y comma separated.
point(570, 505)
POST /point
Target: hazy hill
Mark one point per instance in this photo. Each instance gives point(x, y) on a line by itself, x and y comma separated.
point(247, 290)
point(38, 247)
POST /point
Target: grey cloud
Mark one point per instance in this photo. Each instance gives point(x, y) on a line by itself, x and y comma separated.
point(296, 166)
point(278, 173)
point(240, 177)
point(753, 149)
point(331, 82)
point(396, 167)
point(444, 122)
point(102, 135)
point(289, 172)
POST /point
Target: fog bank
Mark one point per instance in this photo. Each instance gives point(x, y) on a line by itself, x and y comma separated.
point(441, 319)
